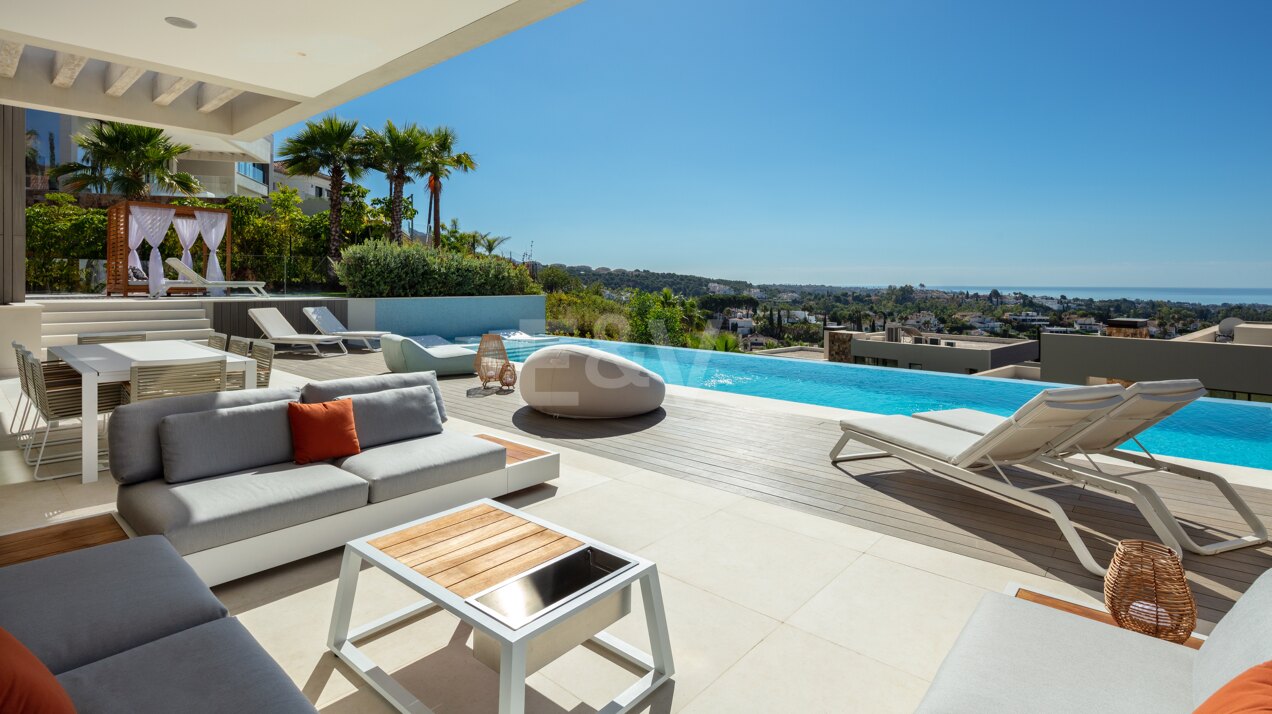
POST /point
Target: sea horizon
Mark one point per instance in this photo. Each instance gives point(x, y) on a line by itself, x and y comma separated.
point(1204, 296)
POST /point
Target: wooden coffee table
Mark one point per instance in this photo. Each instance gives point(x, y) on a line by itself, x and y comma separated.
point(530, 589)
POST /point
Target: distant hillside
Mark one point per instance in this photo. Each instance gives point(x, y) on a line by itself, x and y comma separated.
point(649, 281)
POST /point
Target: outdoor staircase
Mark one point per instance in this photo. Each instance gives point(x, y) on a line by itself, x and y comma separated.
point(168, 319)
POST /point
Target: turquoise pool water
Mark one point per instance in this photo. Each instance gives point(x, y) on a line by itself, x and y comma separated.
point(1217, 430)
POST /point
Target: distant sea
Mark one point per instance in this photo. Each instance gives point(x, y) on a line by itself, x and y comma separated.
point(1204, 296)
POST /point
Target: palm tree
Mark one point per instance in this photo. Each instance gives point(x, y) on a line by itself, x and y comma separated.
point(126, 159)
point(400, 154)
point(329, 144)
point(441, 159)
point(490, 243)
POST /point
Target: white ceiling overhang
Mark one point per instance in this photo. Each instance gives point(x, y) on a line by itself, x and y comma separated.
point(247, 69)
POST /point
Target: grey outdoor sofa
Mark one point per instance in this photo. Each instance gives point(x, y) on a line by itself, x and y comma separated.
point(214, 473)
point(129, 627)
point(1020, 657)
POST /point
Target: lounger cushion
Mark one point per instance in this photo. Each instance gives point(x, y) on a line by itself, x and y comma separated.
point(969, 420)
point(135, 450)
point(213, 668)
point(448, 351)
point(940, 442)
point(219, 441)
point(406, 467)
point(1242, 639)
point(395, 414)
point(1015, 657)
point(202, 514)
point(82, 606)
point(336, 388)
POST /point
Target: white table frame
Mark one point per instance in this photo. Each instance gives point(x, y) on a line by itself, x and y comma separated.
point(109, 362)
point(513, 643)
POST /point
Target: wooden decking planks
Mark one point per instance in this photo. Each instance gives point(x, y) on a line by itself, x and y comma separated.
point(783, 459)
point(59, 538)
point(471, 550)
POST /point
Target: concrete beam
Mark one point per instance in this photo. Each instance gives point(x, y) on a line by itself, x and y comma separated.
point(213, 96)
point(10, 55)
point(121, 77)
point(168, 87)
point(66, 67)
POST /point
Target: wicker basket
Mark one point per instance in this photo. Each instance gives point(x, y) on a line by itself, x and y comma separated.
point(1146, 591)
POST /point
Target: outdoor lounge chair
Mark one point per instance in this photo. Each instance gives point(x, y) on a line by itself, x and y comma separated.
point(329, 324)
point(408, 354)
point(188, 274)
point(1144, 405)
point(960, 455)
point(279, 331)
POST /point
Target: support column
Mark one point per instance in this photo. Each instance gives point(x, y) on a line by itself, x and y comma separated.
point(12, 205)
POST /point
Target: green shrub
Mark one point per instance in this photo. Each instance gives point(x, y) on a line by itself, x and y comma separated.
point(586, 314)
point(383, 269)
point(59, 234)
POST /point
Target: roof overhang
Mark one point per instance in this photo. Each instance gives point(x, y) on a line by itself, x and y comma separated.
point(247, 69)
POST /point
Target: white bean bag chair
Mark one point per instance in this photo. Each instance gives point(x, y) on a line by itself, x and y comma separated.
point(586, 383)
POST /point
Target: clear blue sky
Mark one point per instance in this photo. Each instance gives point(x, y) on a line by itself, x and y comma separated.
point(1069, 142)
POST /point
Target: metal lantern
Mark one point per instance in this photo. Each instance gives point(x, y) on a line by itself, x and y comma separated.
point(1146, 591)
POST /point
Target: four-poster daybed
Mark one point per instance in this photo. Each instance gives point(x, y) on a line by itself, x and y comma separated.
point(127, 230)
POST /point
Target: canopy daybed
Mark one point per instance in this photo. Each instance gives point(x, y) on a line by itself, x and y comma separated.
point(132, 223)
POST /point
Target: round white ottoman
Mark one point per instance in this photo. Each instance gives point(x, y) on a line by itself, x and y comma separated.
point(586, 383)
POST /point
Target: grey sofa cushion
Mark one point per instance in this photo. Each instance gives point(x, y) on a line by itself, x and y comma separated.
point(197, 515)
point(1242, 639)
point(78, 607)
point(220, 441)
point(395, 414)
point(134, 428)
point(404, 467)
point(214, 668)
point(1017, 657)
point(336, 388)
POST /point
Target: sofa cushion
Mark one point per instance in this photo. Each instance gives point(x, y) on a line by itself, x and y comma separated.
point(395, 414)
point(26, 685)
point(1015, 656)
point(214, 668)
point(77, 607)
point(322, 431)
point(135, 453)
point(405, 467)
point(1242, 639)
point(197, 515)
point(210, 443)
point(1249, 693)
point(336, 388)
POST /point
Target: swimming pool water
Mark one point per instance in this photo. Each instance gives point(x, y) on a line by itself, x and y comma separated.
point(1218, 430)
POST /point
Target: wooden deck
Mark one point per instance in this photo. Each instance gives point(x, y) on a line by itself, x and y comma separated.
point(783, 459)
point(59, 538)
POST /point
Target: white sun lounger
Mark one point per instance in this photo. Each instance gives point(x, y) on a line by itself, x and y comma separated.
point(328, 324)
point(279, 331)
point(1144, 405)
point(960, 455)
point(191, 277)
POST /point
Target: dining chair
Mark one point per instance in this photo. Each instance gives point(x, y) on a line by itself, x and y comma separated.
point(217, 340)
point(101, 338)
point(263, 353)
point(53, 406)
point(157, 380)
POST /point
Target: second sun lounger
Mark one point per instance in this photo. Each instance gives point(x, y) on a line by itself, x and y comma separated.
point(328, 324)
point(280, 332)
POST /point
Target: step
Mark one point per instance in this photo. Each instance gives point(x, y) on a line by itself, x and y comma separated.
point(93, 305)
point(195, 334)
point(76, 328)
point(121, 315)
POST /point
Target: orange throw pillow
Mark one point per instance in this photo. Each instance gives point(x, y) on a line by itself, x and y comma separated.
point(322, 431)
point(26, 685)
point(1249, 692)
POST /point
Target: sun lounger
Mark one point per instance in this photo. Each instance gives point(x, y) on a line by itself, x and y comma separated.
point(960, 455)
point(328, 324)
point(279, 331)
point(1144, 405)
point(407, 354)
point(191, 277)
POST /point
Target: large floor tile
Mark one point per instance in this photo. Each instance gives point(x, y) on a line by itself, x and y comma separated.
point(793, 671)
point(768, 569)
point(899, 615)
point(624, 515)
point(805, 523)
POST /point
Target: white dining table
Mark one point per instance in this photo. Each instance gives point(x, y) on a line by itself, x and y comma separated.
point(113, 362)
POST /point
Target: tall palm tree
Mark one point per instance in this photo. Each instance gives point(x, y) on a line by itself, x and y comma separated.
point(329, 144)
point(126, 159)
point(400, 154)
point(438, 164)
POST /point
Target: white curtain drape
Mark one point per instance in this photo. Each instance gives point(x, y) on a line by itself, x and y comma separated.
point(134, 242)
point(187, 233)
point(212, 226)
point(153, 224)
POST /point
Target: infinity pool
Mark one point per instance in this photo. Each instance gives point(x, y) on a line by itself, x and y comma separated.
point(1217, 430)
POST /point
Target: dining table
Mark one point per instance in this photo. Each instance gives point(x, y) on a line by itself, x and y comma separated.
point(113, 362)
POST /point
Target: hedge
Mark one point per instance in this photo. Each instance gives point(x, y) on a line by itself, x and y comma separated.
point(383, 269)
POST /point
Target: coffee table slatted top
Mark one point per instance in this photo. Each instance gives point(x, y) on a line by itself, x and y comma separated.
point(471, 550)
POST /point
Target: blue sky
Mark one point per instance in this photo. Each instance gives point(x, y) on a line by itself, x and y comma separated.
point(859, 143)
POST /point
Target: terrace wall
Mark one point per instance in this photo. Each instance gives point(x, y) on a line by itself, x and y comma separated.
point(1230, 367)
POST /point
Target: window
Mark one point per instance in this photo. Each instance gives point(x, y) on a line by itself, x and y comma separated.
point(915, 365)
point(256, 172)
point(318, 191)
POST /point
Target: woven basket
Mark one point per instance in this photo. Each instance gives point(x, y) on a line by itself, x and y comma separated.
point(1146, 591)
point(508, 376)
point(490, 360)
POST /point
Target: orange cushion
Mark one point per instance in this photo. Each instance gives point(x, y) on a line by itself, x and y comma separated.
point(26, 685)
point(322, 431)
point(1249, 692)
